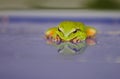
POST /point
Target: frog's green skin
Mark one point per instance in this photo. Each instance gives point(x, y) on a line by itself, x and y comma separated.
point(68, 30)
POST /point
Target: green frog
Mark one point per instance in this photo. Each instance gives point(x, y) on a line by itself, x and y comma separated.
point(70, 31)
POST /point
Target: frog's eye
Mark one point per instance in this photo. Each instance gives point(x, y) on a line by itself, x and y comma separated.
point(75, 31)
point(59, 30)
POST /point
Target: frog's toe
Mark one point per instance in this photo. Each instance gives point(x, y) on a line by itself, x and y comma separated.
point(57, 40)
point(76, 40)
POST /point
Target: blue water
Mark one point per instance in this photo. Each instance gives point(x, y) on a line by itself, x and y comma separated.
point(24, 53)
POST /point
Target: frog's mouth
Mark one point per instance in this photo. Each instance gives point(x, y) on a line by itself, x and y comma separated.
point(65, 39)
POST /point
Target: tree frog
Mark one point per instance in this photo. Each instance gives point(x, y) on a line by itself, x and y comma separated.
point(70, 31)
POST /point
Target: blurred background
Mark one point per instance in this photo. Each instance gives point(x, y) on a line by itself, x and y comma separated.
point(48, 10)
point(59, 4)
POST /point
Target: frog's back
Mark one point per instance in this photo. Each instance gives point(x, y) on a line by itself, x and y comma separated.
point(72, 24)
point(65, 23)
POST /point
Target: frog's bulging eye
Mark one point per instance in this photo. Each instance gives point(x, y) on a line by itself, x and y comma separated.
point(59, 30)
point(75, 31)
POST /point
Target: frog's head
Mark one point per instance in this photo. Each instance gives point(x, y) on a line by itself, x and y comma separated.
point(68, 30)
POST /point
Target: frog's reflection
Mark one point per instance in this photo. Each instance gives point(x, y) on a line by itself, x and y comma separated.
point(69, 48)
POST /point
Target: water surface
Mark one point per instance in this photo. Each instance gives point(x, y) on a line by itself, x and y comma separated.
point(24, 54)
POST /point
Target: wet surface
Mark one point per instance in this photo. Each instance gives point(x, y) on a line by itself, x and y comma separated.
point(24, 54)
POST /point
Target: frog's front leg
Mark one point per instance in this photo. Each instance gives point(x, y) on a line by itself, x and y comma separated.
point(51, 36)
point(81, 36)
point(76, 40)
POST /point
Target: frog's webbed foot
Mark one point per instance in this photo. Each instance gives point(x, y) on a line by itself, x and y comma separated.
point(57, 40)
point(89, 41)
point(76, 40)
point(51, 39)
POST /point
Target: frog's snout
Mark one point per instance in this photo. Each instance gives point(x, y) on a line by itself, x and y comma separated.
point(65, 38)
